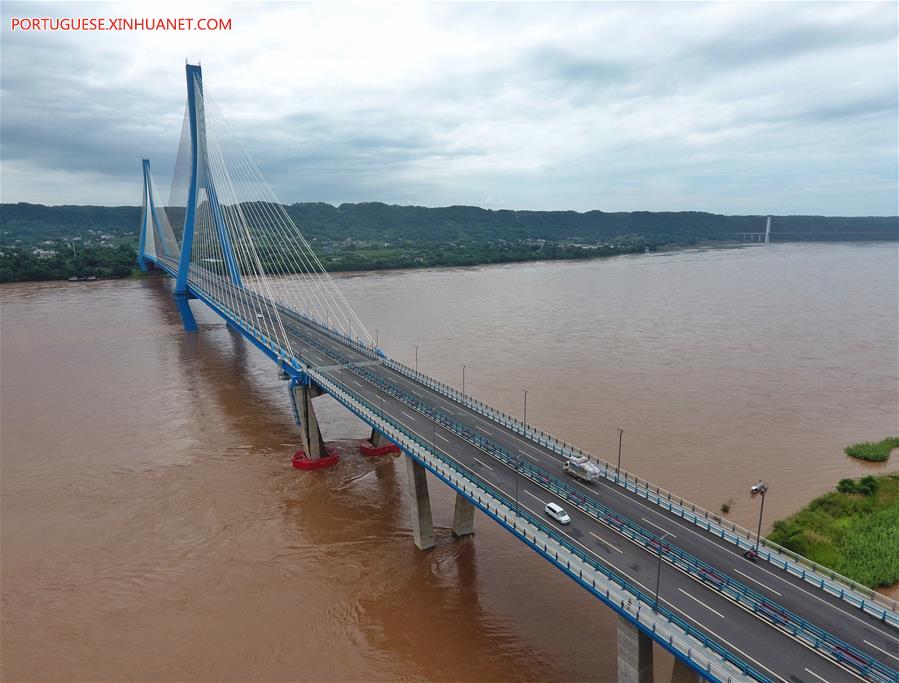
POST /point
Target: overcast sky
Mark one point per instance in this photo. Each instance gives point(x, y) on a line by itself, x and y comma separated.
point(733, 108)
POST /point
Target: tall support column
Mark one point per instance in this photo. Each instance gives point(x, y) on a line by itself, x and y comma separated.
point(420, 505)
point(683, 673)
point(187, 316)
point(463, 516)
point(194, 83)
point(142, 244)
point(634, 654)
point(313, 444)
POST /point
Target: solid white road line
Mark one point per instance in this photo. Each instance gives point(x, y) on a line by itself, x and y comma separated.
point(882, 650)
point(819, 598)
point(701, 603)
point(820, 678)
point(763, 585)
point(484, 464)
point(658, 527)
point(709, 538)
point(602, 540)
point(533, 496)
point(706, 536)
point(668, 602)
point(686, 616)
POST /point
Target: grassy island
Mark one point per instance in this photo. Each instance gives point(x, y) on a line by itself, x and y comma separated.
point(875, 451)
point(853, 530)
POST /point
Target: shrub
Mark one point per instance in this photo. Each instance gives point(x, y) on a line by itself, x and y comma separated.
point(846, 486)
point(874, 451)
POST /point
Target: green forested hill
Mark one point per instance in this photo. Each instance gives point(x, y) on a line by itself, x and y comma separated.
point(55, 242)
point(376, 221)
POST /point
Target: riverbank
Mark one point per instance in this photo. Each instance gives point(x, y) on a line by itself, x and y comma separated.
point(22, 266)
point(853, 530)
point(31, 269)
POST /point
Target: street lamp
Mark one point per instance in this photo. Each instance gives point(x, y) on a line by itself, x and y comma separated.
point(525, 423)
point(517, 464)
point(620, 434)
point(463, 379)
point(376, 338)
point(761, 488)
point(416, 357)
point(659, 571)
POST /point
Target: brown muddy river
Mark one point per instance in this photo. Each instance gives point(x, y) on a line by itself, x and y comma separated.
point(154, 530)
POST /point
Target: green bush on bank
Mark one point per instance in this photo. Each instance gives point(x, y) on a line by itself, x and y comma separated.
point(854, 530)
point(875, 451)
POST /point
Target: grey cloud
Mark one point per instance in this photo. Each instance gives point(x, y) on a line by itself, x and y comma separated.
point(695, 118)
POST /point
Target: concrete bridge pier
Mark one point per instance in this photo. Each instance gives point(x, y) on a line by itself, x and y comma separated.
point(420, 505)
point(313, 454)
point(463, 516)
point(634, 654)
point(378, 440)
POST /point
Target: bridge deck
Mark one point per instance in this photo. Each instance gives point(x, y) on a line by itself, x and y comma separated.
point(773, 651)
point(758, 642)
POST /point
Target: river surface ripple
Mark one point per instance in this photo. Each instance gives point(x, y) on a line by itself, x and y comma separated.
point(153, 529)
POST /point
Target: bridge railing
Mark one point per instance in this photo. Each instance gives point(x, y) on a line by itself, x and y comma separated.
point(822, 577)
point(736, 591)
point(817, 575)
point(662, 624)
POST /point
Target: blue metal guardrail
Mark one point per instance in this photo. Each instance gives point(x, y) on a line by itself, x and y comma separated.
point(792, 563)
point(768, 610)
point(468, 474)
point(781, 618)
point(815, 574)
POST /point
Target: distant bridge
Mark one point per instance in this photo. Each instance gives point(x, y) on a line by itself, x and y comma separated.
point(228, 242)
point(764, 237)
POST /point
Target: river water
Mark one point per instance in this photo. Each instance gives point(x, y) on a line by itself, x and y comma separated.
point(153, 529)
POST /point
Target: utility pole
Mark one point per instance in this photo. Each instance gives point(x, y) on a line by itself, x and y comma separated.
point(525, 423)
point(416, 357)
point(463, 379)
point(517, 465)
point(659, 571)
point(620, 434)
point(762, 489)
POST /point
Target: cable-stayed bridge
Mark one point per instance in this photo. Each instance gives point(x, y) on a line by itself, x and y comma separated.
point(675, 574)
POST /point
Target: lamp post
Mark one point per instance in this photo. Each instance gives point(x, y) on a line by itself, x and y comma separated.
point(416, 357)
point(762, 488)
point(517, 464)
point(525, 422)
point(620, 434)
point(377, 344)
point(659, 571)
point(463, 379)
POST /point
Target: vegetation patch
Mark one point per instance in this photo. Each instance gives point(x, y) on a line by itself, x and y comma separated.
point(875, 451)
point(853, 530)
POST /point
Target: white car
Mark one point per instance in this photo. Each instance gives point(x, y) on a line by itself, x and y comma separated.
point(557, 513)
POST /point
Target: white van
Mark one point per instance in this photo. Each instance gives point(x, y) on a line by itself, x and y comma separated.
point(557, 513)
